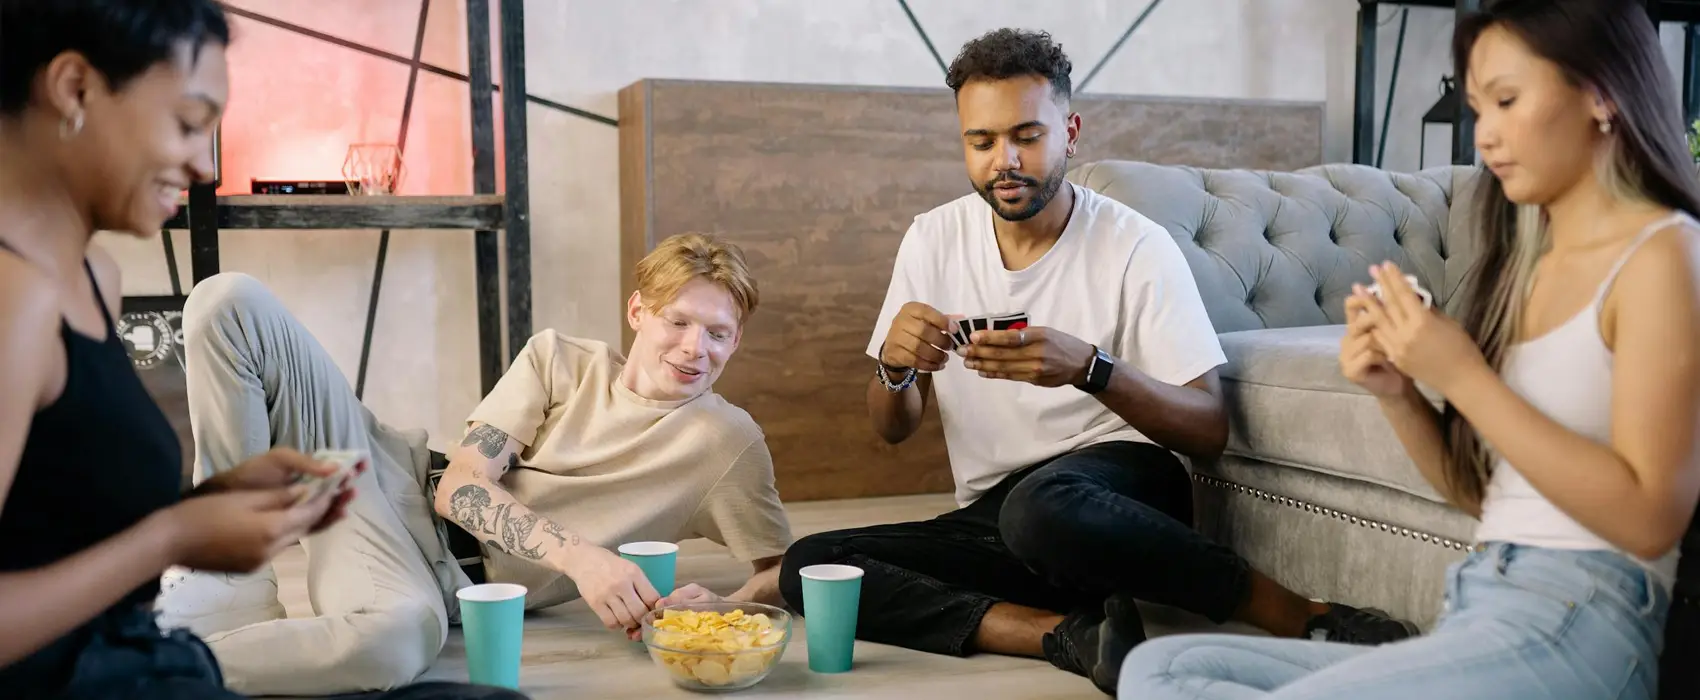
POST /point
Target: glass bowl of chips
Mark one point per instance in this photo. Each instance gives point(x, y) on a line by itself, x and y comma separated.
point(717, 646)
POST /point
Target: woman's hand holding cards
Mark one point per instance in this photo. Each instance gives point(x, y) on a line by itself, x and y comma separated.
point(1361, 359)
point(1040, 356)
point(281, 468)
point(1419, 341)
point(241, 518)
point(917, 338)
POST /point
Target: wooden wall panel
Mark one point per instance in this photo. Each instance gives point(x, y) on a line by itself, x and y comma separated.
point(818, 184)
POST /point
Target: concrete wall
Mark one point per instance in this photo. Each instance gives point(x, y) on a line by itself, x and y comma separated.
point(299, 102)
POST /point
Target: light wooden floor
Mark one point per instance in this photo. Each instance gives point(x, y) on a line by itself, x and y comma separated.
point(568, 654)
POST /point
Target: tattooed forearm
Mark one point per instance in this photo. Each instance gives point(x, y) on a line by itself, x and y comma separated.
point(467, 506)
point(516, 530)
point(471, 508)
point(477, 502)
point(489, 440)
point(514, 461)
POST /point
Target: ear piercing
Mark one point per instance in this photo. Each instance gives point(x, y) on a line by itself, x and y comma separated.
point(71, 126)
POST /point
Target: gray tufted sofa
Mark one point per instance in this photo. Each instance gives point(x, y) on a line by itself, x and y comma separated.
point(1315, 489)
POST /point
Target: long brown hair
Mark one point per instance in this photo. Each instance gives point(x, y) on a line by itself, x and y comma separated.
point(1611, 46)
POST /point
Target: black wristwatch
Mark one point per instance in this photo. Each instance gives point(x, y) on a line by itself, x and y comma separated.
point(1098, 372)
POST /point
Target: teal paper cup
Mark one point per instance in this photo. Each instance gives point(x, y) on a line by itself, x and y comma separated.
point(492, 619)
point(832, 595)
point(657, 559)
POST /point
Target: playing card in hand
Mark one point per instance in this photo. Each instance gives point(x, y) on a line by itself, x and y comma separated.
point(1428, 299)
point(1011, 322)
point(966, 327)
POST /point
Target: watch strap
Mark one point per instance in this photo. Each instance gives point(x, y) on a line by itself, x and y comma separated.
point(1098, 372)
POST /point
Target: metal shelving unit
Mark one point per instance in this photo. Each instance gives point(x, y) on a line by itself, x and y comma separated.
point(485, 211)
point(1463, 125)
point(1363, 101)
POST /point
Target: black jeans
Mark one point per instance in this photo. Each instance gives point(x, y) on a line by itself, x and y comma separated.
point(125, 656)
point(1061, 535)
point(1679, 663)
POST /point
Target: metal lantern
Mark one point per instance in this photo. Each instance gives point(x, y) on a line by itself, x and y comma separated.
point(1436, 138)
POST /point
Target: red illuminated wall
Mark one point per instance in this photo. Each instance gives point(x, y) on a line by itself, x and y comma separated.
point(297, 102)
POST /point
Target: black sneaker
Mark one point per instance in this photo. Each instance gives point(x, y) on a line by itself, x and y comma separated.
point(1093, 643)
point(1368, 626)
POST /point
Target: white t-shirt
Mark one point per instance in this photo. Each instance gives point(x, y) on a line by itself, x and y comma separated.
point(1114, 279)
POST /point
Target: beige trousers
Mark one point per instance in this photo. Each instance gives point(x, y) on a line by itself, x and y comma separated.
point(381, 581)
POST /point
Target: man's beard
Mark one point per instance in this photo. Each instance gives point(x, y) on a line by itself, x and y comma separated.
point(1043, 192)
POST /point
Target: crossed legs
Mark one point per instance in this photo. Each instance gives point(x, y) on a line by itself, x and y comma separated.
point(256, 379)
point(1032, 567)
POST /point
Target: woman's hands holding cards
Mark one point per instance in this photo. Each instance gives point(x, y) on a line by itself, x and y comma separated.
point(282, 468)
point(1040, 356)
point(917, 339)
point(240, 518)
point(1421, 343)
point(1361, 359)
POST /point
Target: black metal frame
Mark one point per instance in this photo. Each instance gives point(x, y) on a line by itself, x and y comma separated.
point(923, 33)
point(1684, 11)
point(516, 169)
point(206, 212)
point(421, 65)
point(384, 236)
point(1078, 88)
point(1131, 28)
point(1463, 127)
point(1363, 101)
point(486, 256)
point(1690, 72)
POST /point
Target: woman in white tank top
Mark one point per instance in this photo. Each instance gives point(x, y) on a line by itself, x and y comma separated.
point(1572, 388)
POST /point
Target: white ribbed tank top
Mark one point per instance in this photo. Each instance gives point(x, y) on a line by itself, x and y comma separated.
point(1567, 375)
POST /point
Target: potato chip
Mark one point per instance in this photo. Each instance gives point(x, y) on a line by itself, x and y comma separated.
point(725, 643)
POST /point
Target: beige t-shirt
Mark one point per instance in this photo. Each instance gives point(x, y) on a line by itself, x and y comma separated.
point(615, 467)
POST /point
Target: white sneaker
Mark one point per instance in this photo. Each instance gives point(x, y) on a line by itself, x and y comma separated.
point(207, 603)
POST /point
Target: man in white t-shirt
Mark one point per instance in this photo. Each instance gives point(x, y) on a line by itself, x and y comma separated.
point(1061, 434)
point(577, 450)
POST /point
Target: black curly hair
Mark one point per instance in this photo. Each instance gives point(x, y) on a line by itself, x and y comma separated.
point(121, 38)
point(1007, 53)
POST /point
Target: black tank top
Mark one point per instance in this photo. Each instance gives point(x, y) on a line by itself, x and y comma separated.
point(96, 461)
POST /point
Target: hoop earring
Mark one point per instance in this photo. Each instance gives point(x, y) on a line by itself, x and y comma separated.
point(70, 127)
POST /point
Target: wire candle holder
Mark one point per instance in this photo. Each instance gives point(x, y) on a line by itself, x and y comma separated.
point(373, 168)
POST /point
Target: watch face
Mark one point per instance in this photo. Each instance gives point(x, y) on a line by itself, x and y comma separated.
point(1098, 376)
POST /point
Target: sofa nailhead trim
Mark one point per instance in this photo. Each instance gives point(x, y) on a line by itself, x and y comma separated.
point(1262, 495)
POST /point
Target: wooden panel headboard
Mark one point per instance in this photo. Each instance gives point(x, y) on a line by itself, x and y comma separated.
point(817, 184)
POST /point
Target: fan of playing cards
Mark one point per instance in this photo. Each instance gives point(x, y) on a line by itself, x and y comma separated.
point(1011, 321)
point(1428, 299)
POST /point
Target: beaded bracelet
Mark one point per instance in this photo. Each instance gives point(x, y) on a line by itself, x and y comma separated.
point(885, 378)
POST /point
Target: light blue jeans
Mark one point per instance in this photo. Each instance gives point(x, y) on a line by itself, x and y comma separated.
point(1519, 622)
